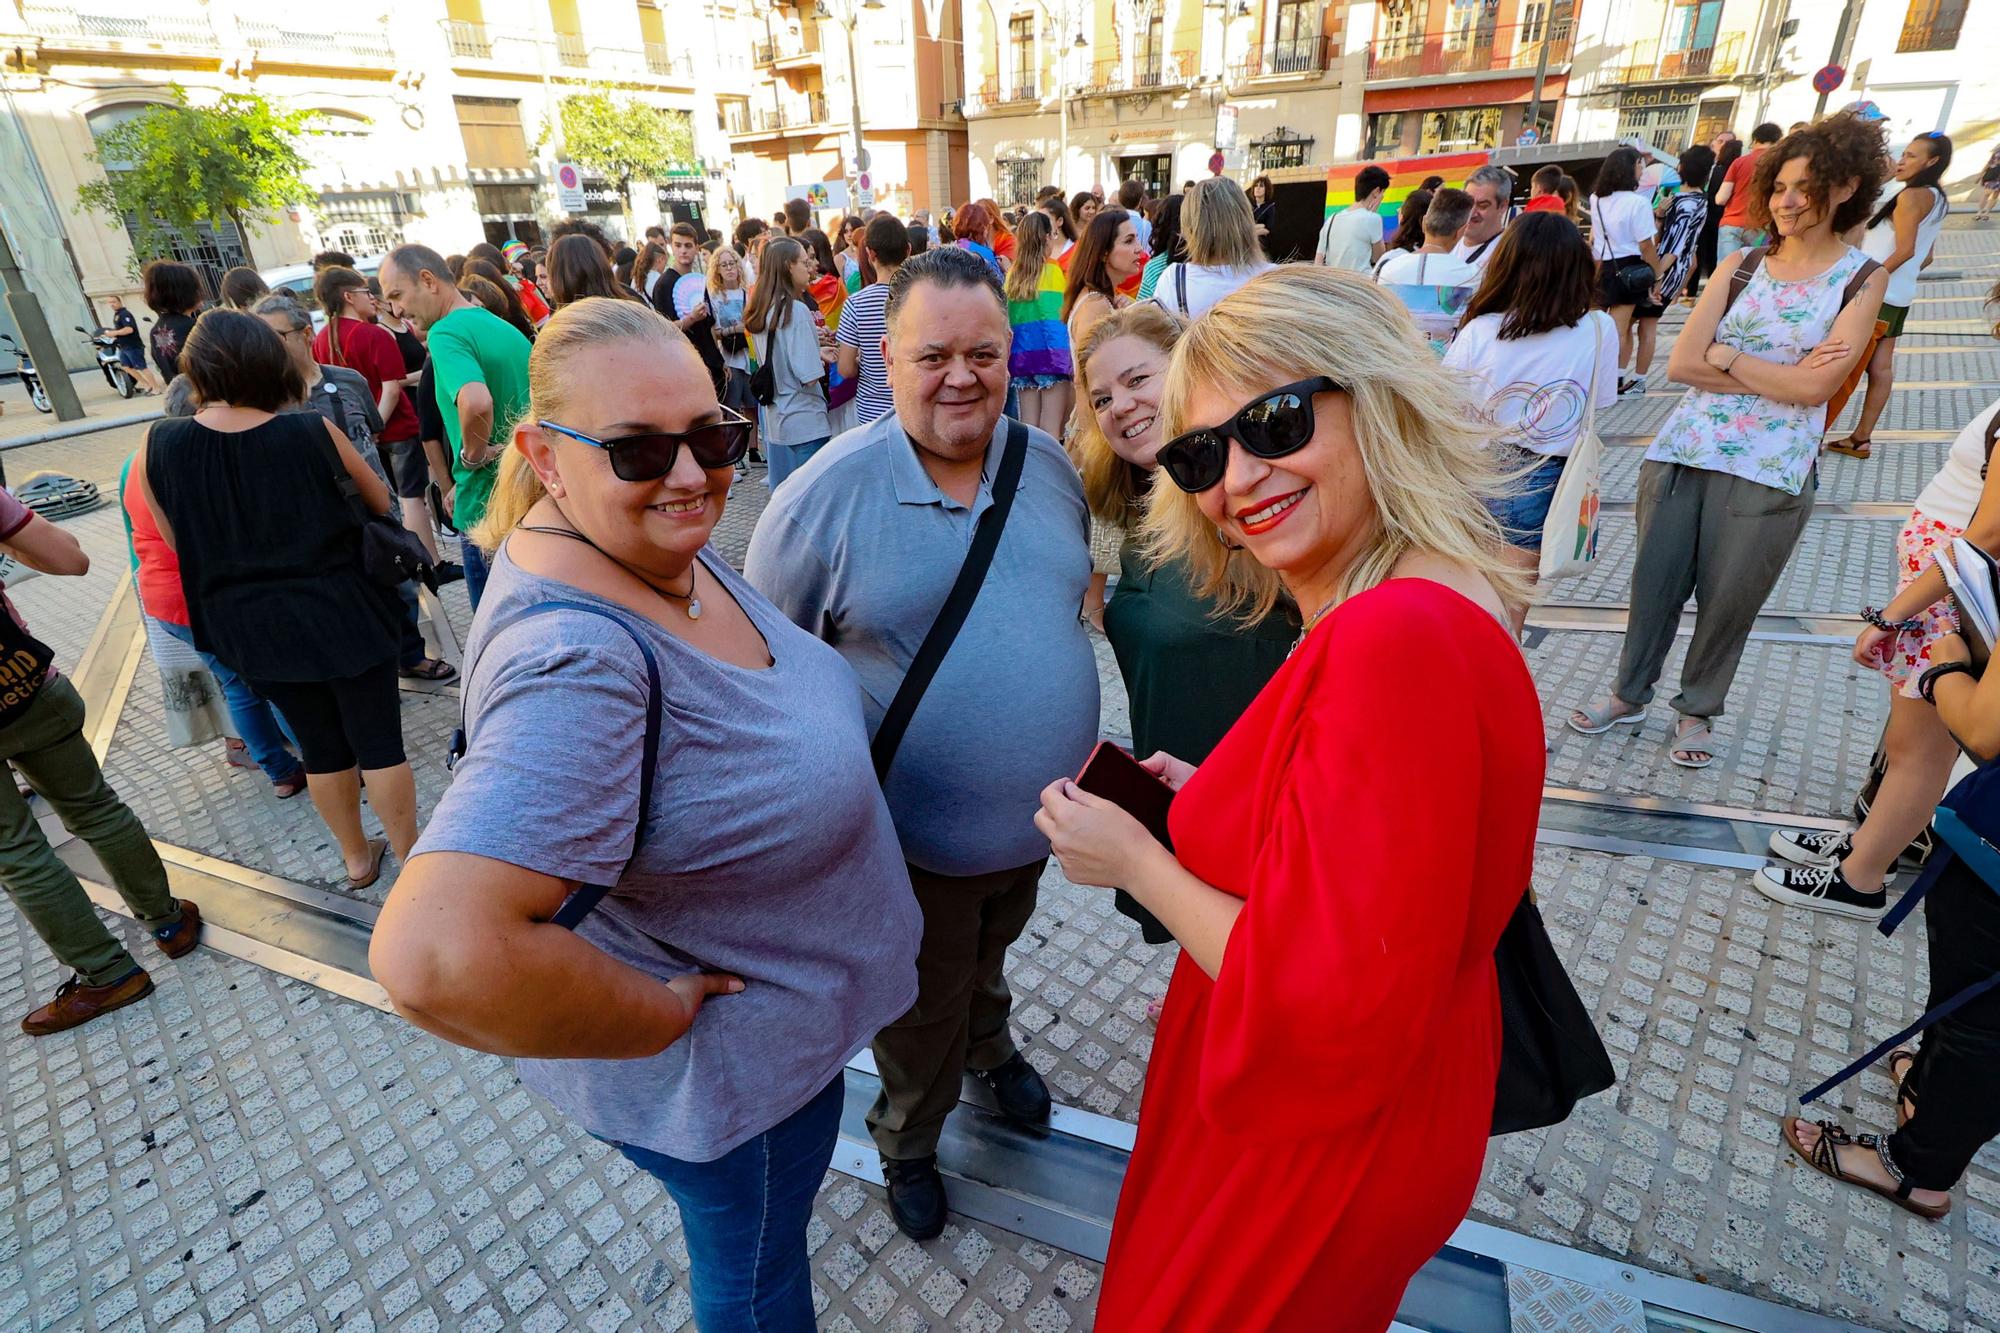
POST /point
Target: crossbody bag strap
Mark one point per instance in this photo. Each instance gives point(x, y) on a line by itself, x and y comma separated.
point(957, 604)
point(343, 482)
point(1180, 286)
point(1861, 275)
point(1746, 268)
point(579, 903)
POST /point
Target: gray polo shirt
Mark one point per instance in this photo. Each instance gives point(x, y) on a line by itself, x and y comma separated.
point(860, 547)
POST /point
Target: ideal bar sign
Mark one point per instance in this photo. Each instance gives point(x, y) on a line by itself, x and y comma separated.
point(1635, 99)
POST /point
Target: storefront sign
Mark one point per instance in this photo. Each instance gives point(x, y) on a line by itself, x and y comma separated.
point(1633, 99)
point(682, 192)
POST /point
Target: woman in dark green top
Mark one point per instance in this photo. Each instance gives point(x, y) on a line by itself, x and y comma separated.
point(1190, 669)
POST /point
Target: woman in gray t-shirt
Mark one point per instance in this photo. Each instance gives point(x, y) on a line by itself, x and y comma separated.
point(763, 928)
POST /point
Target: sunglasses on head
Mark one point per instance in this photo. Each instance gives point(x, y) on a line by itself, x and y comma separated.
point(649, 457)
point(1277, 423)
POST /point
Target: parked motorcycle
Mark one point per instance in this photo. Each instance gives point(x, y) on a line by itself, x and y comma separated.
point(107, 361)
point(30, 377)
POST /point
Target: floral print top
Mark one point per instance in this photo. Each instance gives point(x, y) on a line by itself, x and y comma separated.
point(1745, 434)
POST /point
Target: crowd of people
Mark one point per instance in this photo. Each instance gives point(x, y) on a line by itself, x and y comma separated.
point(970, 424)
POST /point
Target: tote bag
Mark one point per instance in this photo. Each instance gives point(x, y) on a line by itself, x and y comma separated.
point(1569, 534)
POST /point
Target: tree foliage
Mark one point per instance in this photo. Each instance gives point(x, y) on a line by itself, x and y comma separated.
point(177, 165)
point(623, 138)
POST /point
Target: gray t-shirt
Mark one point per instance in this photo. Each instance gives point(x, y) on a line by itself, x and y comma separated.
point(861, 547)
point(769, 852)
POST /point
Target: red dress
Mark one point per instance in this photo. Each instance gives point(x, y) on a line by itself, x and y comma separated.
point(1315, 1119)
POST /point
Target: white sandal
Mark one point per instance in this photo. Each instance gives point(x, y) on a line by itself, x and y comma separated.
point(1684, 738)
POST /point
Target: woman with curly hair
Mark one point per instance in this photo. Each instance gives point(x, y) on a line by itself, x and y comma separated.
point(1728, 483)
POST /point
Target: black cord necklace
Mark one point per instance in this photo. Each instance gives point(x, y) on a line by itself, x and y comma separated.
point(688, 599)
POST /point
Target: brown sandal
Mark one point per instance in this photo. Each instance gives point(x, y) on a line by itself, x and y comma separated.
point(1904, 1098)
point(1825, 1159)
point(1853, 446)
point(378, 851)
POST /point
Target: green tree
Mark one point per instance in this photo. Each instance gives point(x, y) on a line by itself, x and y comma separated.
point(623, 138)
point(177, 165)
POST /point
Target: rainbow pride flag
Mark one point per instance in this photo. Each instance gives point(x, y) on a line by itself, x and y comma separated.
point(1405, 175)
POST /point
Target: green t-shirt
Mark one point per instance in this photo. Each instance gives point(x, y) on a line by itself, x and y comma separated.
point(473, 345)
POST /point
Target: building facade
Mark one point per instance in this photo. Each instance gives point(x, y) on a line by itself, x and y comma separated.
point(789, 111)
point(439, 123)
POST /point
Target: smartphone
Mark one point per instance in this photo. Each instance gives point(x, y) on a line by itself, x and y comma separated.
point(1122, 780)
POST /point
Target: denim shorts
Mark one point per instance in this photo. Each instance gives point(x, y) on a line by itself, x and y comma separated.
point(1524, 510)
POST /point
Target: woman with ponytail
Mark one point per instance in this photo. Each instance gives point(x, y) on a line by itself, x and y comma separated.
point(788, 953)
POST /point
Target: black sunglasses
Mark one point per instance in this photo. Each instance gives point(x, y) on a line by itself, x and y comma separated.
point(1278, 423)
point(719, 444)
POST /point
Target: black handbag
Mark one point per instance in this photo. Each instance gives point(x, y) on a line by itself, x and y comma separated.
point(1551, 1057)
point(390, 552)
point(733, 341)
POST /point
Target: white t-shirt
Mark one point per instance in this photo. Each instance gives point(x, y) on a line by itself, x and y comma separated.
point(1419, 268)
point(1205, 286)
point(1463, 252)
point(1534, 387)
point(1879, 242)
point(1349, 237)
point(1954, 492)
point(1618, 223)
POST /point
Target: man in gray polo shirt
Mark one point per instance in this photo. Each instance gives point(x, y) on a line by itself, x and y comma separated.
point(860, 547)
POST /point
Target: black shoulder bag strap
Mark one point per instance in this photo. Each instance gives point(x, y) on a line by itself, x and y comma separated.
point(1180, 288)
point(1746, 267)
point(579, 904)
point(342, 481)
point(957, 604)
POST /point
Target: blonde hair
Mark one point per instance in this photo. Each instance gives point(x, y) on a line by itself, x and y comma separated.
point(1423, 448)
point(1033, 240)
point(714, 283)
point(582, 326)
point(1109, 487)
point(1220, 228)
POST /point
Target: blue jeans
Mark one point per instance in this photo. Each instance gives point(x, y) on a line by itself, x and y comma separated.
point(474, 561)
point(261, 727)
point(1524, 511)
point(781, 460)
point(744, 1217)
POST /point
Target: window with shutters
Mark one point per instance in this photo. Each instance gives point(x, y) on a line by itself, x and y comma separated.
point(491, 128)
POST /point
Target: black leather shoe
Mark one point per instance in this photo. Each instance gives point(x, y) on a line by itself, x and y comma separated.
point(1019, 1090)
point(916, 1196)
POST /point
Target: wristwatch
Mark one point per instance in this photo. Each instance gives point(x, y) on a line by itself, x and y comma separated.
point(1927, 683)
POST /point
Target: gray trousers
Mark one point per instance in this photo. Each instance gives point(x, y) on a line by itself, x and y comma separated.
point(1723, 539)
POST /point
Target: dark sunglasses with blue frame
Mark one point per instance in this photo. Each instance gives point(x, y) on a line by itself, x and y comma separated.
point(1278, 423)
point(649, 457)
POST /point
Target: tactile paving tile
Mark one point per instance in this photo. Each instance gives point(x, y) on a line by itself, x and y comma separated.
point(1896, 474)
point(242, 1151)
point(1539, 1302)
point(1839, 566)
point(63, 612)
point(1801, 725)
point(1719, 1008)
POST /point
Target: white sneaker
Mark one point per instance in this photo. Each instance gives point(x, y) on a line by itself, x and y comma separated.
point(1819, 847)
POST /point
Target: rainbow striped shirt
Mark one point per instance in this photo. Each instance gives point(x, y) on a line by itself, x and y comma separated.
point(1041, 342)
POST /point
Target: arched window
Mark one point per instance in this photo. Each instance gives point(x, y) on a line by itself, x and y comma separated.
point(210, 247)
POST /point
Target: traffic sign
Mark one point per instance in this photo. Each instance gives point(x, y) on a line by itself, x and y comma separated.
point(1829, 78)
point(1215, 164)
point(1528, 137)
point(865, 181)
point(569, 188)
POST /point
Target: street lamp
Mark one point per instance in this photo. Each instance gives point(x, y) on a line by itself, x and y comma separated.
point(847, 13)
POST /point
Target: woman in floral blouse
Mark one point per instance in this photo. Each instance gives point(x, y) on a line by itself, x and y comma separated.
point(1728, 483)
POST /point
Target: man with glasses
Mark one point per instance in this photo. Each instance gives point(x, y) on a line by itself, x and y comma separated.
point(481, 366)
point(861, 547)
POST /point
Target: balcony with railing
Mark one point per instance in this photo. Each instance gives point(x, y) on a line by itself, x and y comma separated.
point(1016, 89)
point(111, 26)
point(1475, 52)
point(571, 50)
point(1145, 72)
point(468, 41)
point(763, 54)
point(1291, 57)
point(806, 113)
point(343, 48)
point(1932, 30)
point(661, 60)
point(1645, 62)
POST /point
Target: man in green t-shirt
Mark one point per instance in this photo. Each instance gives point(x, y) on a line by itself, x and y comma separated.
point(480, 363)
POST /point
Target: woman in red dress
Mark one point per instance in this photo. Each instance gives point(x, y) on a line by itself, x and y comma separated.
point(1321, 1084)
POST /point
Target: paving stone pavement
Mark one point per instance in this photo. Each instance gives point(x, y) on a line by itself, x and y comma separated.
point(242, 1151)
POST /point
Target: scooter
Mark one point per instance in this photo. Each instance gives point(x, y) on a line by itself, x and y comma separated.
point(107, 361)
point(30, 377)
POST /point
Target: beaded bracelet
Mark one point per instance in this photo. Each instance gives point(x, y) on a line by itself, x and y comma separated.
point(1873, 615)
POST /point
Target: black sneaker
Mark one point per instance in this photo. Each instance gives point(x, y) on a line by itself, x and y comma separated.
point(448, 571)
point(1820, 888)
point(916, 1196)
point(1019, 1090)
point(1817, 847)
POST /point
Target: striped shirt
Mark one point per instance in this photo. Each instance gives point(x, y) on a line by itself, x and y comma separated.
point(1041, 343)
point(862, 325)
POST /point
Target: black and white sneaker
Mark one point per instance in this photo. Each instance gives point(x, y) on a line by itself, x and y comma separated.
point(1820, 888)
point(1816, 847)
point(1631, 385)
